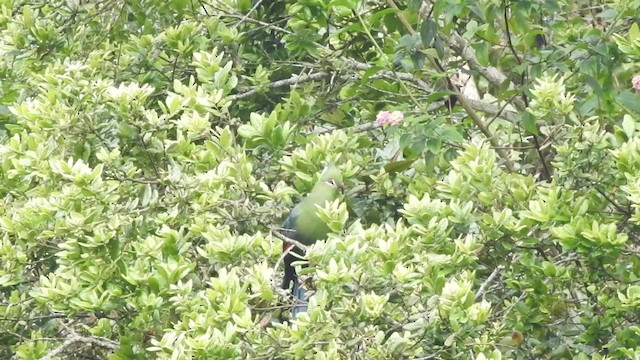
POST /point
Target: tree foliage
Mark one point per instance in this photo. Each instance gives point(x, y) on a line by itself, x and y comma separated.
point(149, 150)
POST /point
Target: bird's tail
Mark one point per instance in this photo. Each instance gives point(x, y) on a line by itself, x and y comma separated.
point(299, 298)
point(291, 280)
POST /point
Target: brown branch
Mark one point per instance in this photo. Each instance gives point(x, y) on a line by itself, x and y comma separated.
point(372, 125)
point(353, 64)
point(75, 338)
point(355, 129)
point(246, 16)
point(297, 79)
point(486, 283)
point(477, 105)
point(419, 83)
point(231, 14)
point(492, 74)
point(461, 99)
point(276, 233)
point(509, 41)
point(496, 78)
point(494, 110)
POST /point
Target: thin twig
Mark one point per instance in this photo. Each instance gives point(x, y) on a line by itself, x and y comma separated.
point(508, 31)
point(280, 259)
point(356, 65)
point(281, 83)
point(461, 99)
point(496, 78)
point(246, 16)
point(276, 233)
point(492, 74)
point(229, 14)
point(75, 338)
point(477, 105)
point(372, 125)
point(486, 283)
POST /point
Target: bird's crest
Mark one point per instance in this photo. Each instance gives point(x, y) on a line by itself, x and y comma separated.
point(326, 169)
point(330, 172)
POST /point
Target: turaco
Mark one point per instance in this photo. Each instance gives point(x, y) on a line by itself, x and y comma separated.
point(304, 225)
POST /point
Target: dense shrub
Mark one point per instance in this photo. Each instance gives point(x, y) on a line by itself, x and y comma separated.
point(150, 148)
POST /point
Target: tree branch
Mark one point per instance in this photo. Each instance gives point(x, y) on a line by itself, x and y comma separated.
point(461, 99)
point(353, 64)
point(496, 78)
point(417, 82)
point(477, 105)
point(486, 283)
point(276, 233)
point(492, 74)
point(296, 79)
point(358, 66)
point(75, 338)
point(372, 125)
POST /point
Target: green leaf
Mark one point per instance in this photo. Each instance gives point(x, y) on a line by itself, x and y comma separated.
point(428, 30)
point(438, 95)
point(114, 247)
point(248, 131)
point(482, 53)
point(8, 280)
point(529, 123)
point(413, 151)
point(352, 28)
point(348, 4)
point(418, 60)
point(156, 283)
point(370, 72)
point(405, 140)
point(620, 136)
point(593, 83)
point(380, 14)
point(146, 195)
point(634, 33)
point(434, 145)
point(414, 5)
point(628, 125)
point(471, 28)
point(589, 105)
point(629, 101)
point(448, 342)
point(180, 5)
point(398, 166)
point(409, 42)
point(439, 46)
point(489, 33)
point(451, 134)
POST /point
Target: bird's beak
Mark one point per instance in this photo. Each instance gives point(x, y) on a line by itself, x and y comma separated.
point(341, 186)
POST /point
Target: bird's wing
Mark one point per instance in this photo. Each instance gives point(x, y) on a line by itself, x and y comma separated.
point(289, 224)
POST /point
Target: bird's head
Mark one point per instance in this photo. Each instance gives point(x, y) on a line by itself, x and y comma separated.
point(330, 179)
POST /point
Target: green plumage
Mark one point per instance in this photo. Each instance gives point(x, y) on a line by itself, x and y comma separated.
point(304, 225)
point(303, 219)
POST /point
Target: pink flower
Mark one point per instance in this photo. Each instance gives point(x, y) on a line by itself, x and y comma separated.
point(635, 82)
point(389, 118)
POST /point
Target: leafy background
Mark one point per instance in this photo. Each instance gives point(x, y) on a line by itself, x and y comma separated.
point(149, 148)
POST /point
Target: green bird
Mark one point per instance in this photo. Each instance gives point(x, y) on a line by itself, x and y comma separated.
point(304, 225)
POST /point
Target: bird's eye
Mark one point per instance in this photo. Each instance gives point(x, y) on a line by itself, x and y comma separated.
point(330, 182)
